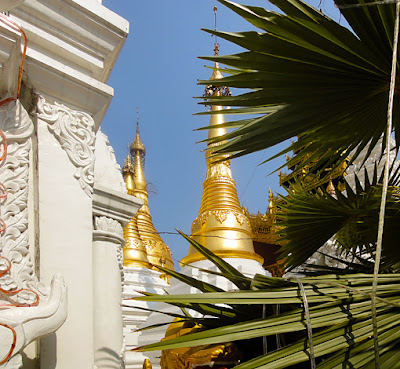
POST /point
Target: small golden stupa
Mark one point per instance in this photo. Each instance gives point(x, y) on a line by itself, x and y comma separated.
point(221, 225)
point(144, 246)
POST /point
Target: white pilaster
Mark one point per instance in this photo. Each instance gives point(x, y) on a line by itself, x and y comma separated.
point(111, 211)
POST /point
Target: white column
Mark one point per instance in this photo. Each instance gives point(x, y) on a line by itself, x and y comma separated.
point(112, 210)
point(107, 244)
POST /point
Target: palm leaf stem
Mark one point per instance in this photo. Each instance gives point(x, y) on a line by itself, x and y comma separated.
point(385, 185)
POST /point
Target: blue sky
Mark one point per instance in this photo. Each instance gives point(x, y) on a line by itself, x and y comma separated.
point(157, 71)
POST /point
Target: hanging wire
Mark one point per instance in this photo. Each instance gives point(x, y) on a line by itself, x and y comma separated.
point(385, 185)
point(308, 322)
point(381, 2)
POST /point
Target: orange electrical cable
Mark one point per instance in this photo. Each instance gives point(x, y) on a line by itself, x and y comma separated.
point(12, 345)
point(4, 189)
point(3, 195)
point(3, 137)
point(14, 292)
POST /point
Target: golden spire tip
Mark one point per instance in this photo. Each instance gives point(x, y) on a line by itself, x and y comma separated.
point(216, 44)
point(137, 119)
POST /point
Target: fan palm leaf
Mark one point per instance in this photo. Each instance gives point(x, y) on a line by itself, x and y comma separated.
point(319, 81)
point(312, 218)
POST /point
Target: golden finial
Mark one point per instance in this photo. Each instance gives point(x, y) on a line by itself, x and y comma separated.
point(331, 188)
point(137, 147)
point(216, 44)
point(271, 205)
point(147, 364)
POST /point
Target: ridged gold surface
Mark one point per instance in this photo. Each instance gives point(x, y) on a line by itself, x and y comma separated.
point(158, 253)
point(134, 250)
point(221, 225)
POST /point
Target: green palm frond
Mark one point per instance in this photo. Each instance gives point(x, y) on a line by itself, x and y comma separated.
point(311, 218)
point(340, 315)
point(316, 79)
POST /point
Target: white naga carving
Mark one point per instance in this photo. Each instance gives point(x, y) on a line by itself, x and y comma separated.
point(74, 130)
point(28, 309)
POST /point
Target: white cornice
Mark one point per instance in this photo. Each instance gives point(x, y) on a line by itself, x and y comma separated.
point(114, 204)
point(72, 48)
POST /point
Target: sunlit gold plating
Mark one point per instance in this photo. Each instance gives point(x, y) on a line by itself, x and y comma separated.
point(127, 172)
point(134, 251)
point(158, 253)
point(221, 225)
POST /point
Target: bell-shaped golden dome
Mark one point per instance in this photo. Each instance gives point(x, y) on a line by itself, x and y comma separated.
point(221, 225)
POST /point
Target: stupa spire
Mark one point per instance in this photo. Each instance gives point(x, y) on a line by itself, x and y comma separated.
point(158, 253)
point(127, 172)
point(134, 251)
point(221, 225)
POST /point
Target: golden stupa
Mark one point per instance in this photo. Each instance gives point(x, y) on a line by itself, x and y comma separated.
point(144, 245)
point(221, 224)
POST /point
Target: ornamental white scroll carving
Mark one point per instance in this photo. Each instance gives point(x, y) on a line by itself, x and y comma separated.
point(74, 130)
point(30, 309)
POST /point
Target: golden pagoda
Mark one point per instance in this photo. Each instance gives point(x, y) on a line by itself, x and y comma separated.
point(140, 230)
point(221, 225)
point(134, 252)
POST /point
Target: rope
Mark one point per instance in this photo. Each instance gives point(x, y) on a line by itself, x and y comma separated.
point(308, 322)
point(385, 186)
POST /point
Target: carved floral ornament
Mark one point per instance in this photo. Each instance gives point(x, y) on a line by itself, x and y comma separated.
point(74, 130)
point(108, 225)
point(221, 216)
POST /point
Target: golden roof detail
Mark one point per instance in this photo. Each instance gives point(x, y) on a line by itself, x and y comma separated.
point(220, 225)
point(158, 253)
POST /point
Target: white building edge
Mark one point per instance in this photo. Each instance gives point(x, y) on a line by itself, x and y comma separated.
point(61, 258)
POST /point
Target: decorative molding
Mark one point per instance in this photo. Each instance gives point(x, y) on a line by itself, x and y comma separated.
point(241, 218)
point(74, 130)
point(108, 225)
point(114, 204)
point(220, 216)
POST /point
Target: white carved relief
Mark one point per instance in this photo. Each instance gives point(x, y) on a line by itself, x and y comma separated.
point(18, 127)
point(108, 225)
point(29, 309)
point(74, 130)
